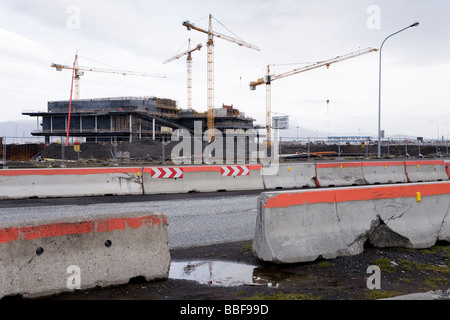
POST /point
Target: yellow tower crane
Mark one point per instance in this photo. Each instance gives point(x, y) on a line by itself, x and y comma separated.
point(79, 71)
point(210, 63)
point(189, 69)
point(268, 78)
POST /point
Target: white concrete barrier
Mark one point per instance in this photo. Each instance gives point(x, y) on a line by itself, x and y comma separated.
point(69, 182)
point(336, 174)
point(447, 167)
point(293, 175)
point(303, 225)
point(208, 178)
point(54, 256)
point(383, 172)
point(426, 170)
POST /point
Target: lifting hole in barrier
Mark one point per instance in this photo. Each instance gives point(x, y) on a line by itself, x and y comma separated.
point(39, 251)
point(108, 243)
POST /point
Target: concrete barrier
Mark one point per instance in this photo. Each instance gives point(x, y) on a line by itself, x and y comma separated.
point(210, 178)
point(383, 172)
point(69, 182)
point(294, 175)
point(426, 170)
point(447, 167)
point(54, 256)
point(303, 225)
point(335, 174)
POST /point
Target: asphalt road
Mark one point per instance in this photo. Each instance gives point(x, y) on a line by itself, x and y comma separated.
point(194, 219)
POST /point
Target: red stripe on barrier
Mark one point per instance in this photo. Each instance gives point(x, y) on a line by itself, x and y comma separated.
point(285, 200)
point(66, 171)
point(447, 168)
point(382, 164)
point(339, 164)
point(424, 162)
point(30, 233)
point(62, 229)
point(10, 234)
point(111, 225)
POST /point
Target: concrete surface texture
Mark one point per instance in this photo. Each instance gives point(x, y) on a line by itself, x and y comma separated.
point(334, 174)
point(303, 225)
point(292, 175)
point(60, 255)
point(69, 182)
point(384, 172)
point(421, 171)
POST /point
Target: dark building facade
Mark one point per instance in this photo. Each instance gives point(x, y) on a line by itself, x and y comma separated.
point(128, 118)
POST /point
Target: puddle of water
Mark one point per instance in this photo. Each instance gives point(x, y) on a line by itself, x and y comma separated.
point(219, 273)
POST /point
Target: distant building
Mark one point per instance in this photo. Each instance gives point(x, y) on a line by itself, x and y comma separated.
point(129, 118)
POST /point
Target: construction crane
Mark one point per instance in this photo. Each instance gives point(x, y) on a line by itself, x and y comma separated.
point(210, 66)
point(189, 69)
point(268, 78)
point(79, 71)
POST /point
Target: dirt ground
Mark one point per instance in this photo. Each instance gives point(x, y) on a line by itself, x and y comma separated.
point(403, 271)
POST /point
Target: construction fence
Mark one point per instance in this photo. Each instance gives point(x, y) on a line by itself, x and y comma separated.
point(33, 151)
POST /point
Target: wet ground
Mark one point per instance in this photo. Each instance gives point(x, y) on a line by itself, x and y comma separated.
point(231, 272)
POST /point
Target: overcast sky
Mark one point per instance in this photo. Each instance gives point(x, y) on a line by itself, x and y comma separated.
point(140, 35)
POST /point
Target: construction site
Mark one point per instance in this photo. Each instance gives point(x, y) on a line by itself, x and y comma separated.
point(129, 119)
point(112, 130)
point(138, 192)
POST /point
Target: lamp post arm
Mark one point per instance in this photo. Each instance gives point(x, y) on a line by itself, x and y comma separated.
point(379, 86)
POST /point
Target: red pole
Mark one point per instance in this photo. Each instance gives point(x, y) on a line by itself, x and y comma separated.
point(70, 102)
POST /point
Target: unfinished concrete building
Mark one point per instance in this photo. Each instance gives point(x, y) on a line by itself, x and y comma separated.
point(129, 118)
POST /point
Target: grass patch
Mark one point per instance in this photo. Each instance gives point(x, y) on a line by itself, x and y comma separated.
point(434, 282)
point(325, 264)
point(380, 294)
point(406, 264)
point(406, 280)
point(436, 249)
point(240, 293)
point(283, 296)
point(403, 249)
point(430, 267)
point(385, 265)
point(248, 247)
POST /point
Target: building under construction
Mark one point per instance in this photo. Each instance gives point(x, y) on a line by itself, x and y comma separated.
point(129, 118)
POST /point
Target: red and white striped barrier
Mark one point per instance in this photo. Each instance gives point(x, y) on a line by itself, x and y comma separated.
point(206, 178)
point(166, 173)
point(232, 171)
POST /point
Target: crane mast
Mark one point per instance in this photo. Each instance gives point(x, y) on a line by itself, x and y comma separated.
point(267, 80)
point(189, 69)
point(210, 67)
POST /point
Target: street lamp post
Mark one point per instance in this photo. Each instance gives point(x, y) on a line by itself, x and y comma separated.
point(379, 86)
point(437, 126)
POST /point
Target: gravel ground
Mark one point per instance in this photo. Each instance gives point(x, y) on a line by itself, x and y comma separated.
point(219, 228)
point(403, 271)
